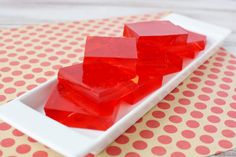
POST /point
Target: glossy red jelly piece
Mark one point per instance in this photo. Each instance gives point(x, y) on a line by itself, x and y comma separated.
point(118, 51)
point(160, 66)
point(70, 114)
point(153, 37)
point(145, 84)
point(99, 82)
point(195, 43)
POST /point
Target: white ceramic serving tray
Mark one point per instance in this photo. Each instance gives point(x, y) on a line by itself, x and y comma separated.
point(26, 112)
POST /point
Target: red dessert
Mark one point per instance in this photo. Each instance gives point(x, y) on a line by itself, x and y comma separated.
point(70, 114)
point(194, 44)
point(118, 51)
point(101, 83)
point(119, 69)
point(154, 37)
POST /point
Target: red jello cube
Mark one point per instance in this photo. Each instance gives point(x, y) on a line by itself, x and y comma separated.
point(145, 84)
point(68, 113)
point(96, 108)
point(159, 66)
point(153, 37)
point(195, 43)
point(118, 51)
point(99, 82)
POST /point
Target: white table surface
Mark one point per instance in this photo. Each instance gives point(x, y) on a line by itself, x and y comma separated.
point(15, 13)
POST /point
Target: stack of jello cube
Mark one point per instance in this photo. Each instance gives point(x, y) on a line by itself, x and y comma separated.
point(118, 71)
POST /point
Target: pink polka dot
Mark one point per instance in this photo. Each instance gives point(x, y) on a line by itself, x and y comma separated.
point(140, 145)
point(164, 139)
point(219, 59)
point(200, 106)
point(215, 70)
point(131, 130)
point(229, 73)
point(227, 80)
point(4, 126)
point(183, 144)
point(175, 119)
point(192, 124)
point(163, 105)
point(202, 150)
point(23, 148)
point(1, 153)
point(213, 119)
point(19, 83)
point(28, 76)
point(210, 83)
point(203, 97)
point(212, 76)
point(132, 154)
point(158, 114)
point(10, 90)
point(224, 86)
point(184, 101)
point(219, 101)
point(113, 150)
point(210, 128)
point(180, 110)
point(16, 73)
point(188, 94)
point(122, 139)
point(225, 144)
point(177, 154)
point(17, 133)
point(232, 114)
point(5, 69)
point(158, 150)
point(195, 79)
point(169, 97)
point(31, 139)
point(40, 154)
point(29, 87)
point(198, 73)
point(207, 90)
point(233, 105)
point(7, 142)
point(192, 86)
point(2, 98)
point(146, 134)
point(170, 128)
point(196, 114)
point(228, 133)
point(222, 94)
point(216, 110)
point(7, 79)
point(206, 139)
point(41, 80)
point(176, 90)
point(152, 123)
point(231, 67)
point(230, 123)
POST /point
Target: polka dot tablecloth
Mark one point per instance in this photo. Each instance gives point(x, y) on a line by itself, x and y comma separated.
point(198, 118)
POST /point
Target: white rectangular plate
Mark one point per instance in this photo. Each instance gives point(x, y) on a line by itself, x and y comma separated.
point(26, 112)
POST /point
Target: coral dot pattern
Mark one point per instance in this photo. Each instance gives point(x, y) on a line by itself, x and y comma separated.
point(198, 117)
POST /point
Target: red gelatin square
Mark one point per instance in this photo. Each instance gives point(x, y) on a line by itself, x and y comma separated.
point(66, 112)
point(144, 85)
point(153, 37)
point(160, 66)
point(100, 82)
point(118, 51)
point(195, 43)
